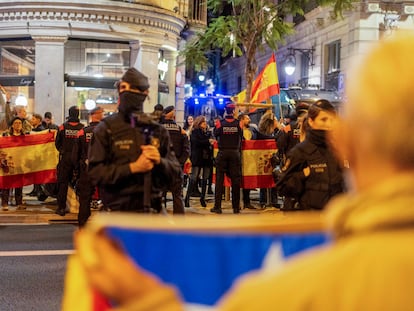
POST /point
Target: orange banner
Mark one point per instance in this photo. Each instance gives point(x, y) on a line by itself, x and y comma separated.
point(29, 159)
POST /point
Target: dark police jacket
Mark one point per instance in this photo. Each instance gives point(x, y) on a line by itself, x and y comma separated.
point(228, 134)
point(67, 138)
point(114, 145)
point(325, 179)
point(179, 141)
point(81, 149)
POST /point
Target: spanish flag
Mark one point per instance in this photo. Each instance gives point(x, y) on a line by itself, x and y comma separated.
point(267, 82)
point(28, 159)
point(256, 163)
point(265, 85)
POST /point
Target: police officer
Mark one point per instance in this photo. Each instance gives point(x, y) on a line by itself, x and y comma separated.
point(85, 188)
point(229, 136)
point(312, 175)
point(289, 135)
point(66, 139)
point(181, 147)
point(130, 158)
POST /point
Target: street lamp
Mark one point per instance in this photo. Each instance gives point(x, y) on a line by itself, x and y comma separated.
point(201, 77)
point(21, 100)
point(290, 62)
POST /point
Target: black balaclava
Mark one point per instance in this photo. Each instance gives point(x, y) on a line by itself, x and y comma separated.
point(73, 114)
point(130, 102)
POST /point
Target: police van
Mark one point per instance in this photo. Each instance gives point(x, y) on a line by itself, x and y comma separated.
point(312, 95)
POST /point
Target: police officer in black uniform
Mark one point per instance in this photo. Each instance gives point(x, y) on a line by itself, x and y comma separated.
point(85, 189)
point(289, 136)
point(66, 138)
point(130, 157)
point(181, 147)
point(312, 175)
point(229, 135)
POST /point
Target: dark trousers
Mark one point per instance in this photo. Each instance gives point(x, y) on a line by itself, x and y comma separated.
point(85, 191)
point(177, 195)
point(18, 196)
point(246, 197)
point(228, 161)
point(65, 171)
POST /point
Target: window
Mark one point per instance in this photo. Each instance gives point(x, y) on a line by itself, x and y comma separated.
point(334, 56)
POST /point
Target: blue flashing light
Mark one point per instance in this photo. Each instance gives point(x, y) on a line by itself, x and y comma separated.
point(221, 101)
point(196, 101)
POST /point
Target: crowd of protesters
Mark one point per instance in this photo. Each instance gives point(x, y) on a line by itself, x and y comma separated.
point(304, 169)
point(17, 123)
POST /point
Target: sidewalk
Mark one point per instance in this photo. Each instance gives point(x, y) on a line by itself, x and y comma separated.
point(38, 212)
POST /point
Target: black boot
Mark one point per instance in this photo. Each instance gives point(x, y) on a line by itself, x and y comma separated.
point(203, 193)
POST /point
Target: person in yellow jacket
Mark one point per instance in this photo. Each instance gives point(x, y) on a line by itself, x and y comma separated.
point(369, 265)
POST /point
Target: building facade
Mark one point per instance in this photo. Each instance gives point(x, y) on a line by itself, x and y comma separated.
point(321, 49)
point(58, 53)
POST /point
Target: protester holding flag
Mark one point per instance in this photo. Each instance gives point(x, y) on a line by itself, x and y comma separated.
point(268, 127)
point(249, 133)
point(20, 111)
point(16, 129)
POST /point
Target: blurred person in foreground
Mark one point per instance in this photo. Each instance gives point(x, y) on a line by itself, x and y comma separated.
point(369, 265)
point(130, 156)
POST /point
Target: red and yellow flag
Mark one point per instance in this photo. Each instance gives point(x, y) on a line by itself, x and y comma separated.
point(256, 158)
point(256, 163)
point(265, 85)
point(29, 159)
point(267, 82)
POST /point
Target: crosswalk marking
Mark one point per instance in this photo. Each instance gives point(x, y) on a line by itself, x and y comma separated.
point(36, 253)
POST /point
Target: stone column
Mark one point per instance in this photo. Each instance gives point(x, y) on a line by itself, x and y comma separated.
point(147, 63)
point(171, 57)
point(133, 53)
point(49, 76)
